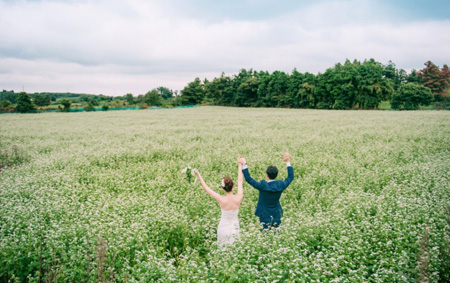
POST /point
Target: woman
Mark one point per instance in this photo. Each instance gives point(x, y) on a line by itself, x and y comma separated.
point(228, 229)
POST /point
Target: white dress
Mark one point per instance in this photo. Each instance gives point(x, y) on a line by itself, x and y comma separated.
point(228, 229)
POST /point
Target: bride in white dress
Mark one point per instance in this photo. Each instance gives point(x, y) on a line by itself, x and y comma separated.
point(228, 229)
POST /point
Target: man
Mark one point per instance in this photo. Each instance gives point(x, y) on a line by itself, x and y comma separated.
point(269, 208)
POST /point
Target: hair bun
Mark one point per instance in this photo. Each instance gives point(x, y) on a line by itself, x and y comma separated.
point(227, 184)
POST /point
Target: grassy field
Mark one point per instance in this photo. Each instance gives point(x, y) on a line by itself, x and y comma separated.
point(100, 196)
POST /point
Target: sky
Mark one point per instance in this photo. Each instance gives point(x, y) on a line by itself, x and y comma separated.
point(115, 47)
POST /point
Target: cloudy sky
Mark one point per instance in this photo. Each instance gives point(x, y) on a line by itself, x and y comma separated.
point(114, 47)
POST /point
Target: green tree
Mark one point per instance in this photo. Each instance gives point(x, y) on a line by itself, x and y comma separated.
point(346, 83)
point(396, 76)
point(219, 90)
point(264, 93)
point(139, 99)
point(89, 107)
point(11, 96)
point(193, 93)
point(41, 99)
point(337, 88)
point(372, 86)
point(248, 92)
point(409, 96)
point(277, 87)
point(102, 97)
point(164, 92)
point(129, 98)
point(413, 77)
point(326, 82)
point(5, 105)
point(389, 70)
point(93, 101)
point(239, 96)
point(24, 103)
point(293, 86)
point(226, 90)
point(84, 97)
point(66, 104)
point(152, 98)
point(307, 92)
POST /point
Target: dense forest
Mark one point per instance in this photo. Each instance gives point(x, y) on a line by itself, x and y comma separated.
point(351, 85)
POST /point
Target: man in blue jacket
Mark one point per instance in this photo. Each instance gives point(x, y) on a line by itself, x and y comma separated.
point(269, 208)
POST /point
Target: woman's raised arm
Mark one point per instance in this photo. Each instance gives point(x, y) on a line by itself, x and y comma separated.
point(210, 192)
point(240, 192)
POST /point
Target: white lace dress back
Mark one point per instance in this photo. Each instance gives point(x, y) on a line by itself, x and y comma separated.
point(228, 229)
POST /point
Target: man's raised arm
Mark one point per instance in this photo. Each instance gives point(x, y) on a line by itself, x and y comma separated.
point(290, 170)
point(247, 176)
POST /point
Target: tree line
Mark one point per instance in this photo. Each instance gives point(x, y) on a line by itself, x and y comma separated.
point(351, 85)
point(360, 85)
point(11, 101)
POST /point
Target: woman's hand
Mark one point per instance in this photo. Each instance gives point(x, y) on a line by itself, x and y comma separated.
point(196, 172)
point(241, 160)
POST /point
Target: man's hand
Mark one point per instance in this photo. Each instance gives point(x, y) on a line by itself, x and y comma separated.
point(287, 157)
point(241, 160)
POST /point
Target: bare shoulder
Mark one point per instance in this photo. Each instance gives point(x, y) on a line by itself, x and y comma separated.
point(237, 200)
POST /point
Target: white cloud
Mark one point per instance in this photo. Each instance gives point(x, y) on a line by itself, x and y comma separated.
point(116, 47)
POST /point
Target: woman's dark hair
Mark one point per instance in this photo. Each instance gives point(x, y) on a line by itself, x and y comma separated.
point(227, 184)
point(272, 172)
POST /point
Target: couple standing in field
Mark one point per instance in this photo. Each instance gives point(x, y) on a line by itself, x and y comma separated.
point(268, 208)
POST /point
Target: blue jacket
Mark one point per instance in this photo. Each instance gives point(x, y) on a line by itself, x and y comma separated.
point(269, 207)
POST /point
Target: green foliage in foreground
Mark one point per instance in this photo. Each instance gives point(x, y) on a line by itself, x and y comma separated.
point(11, 155)
point(103, 197)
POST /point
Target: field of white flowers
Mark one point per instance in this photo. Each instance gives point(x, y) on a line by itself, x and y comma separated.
point(100, 196)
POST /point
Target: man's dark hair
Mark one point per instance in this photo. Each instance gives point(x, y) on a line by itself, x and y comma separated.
point(272, 172)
